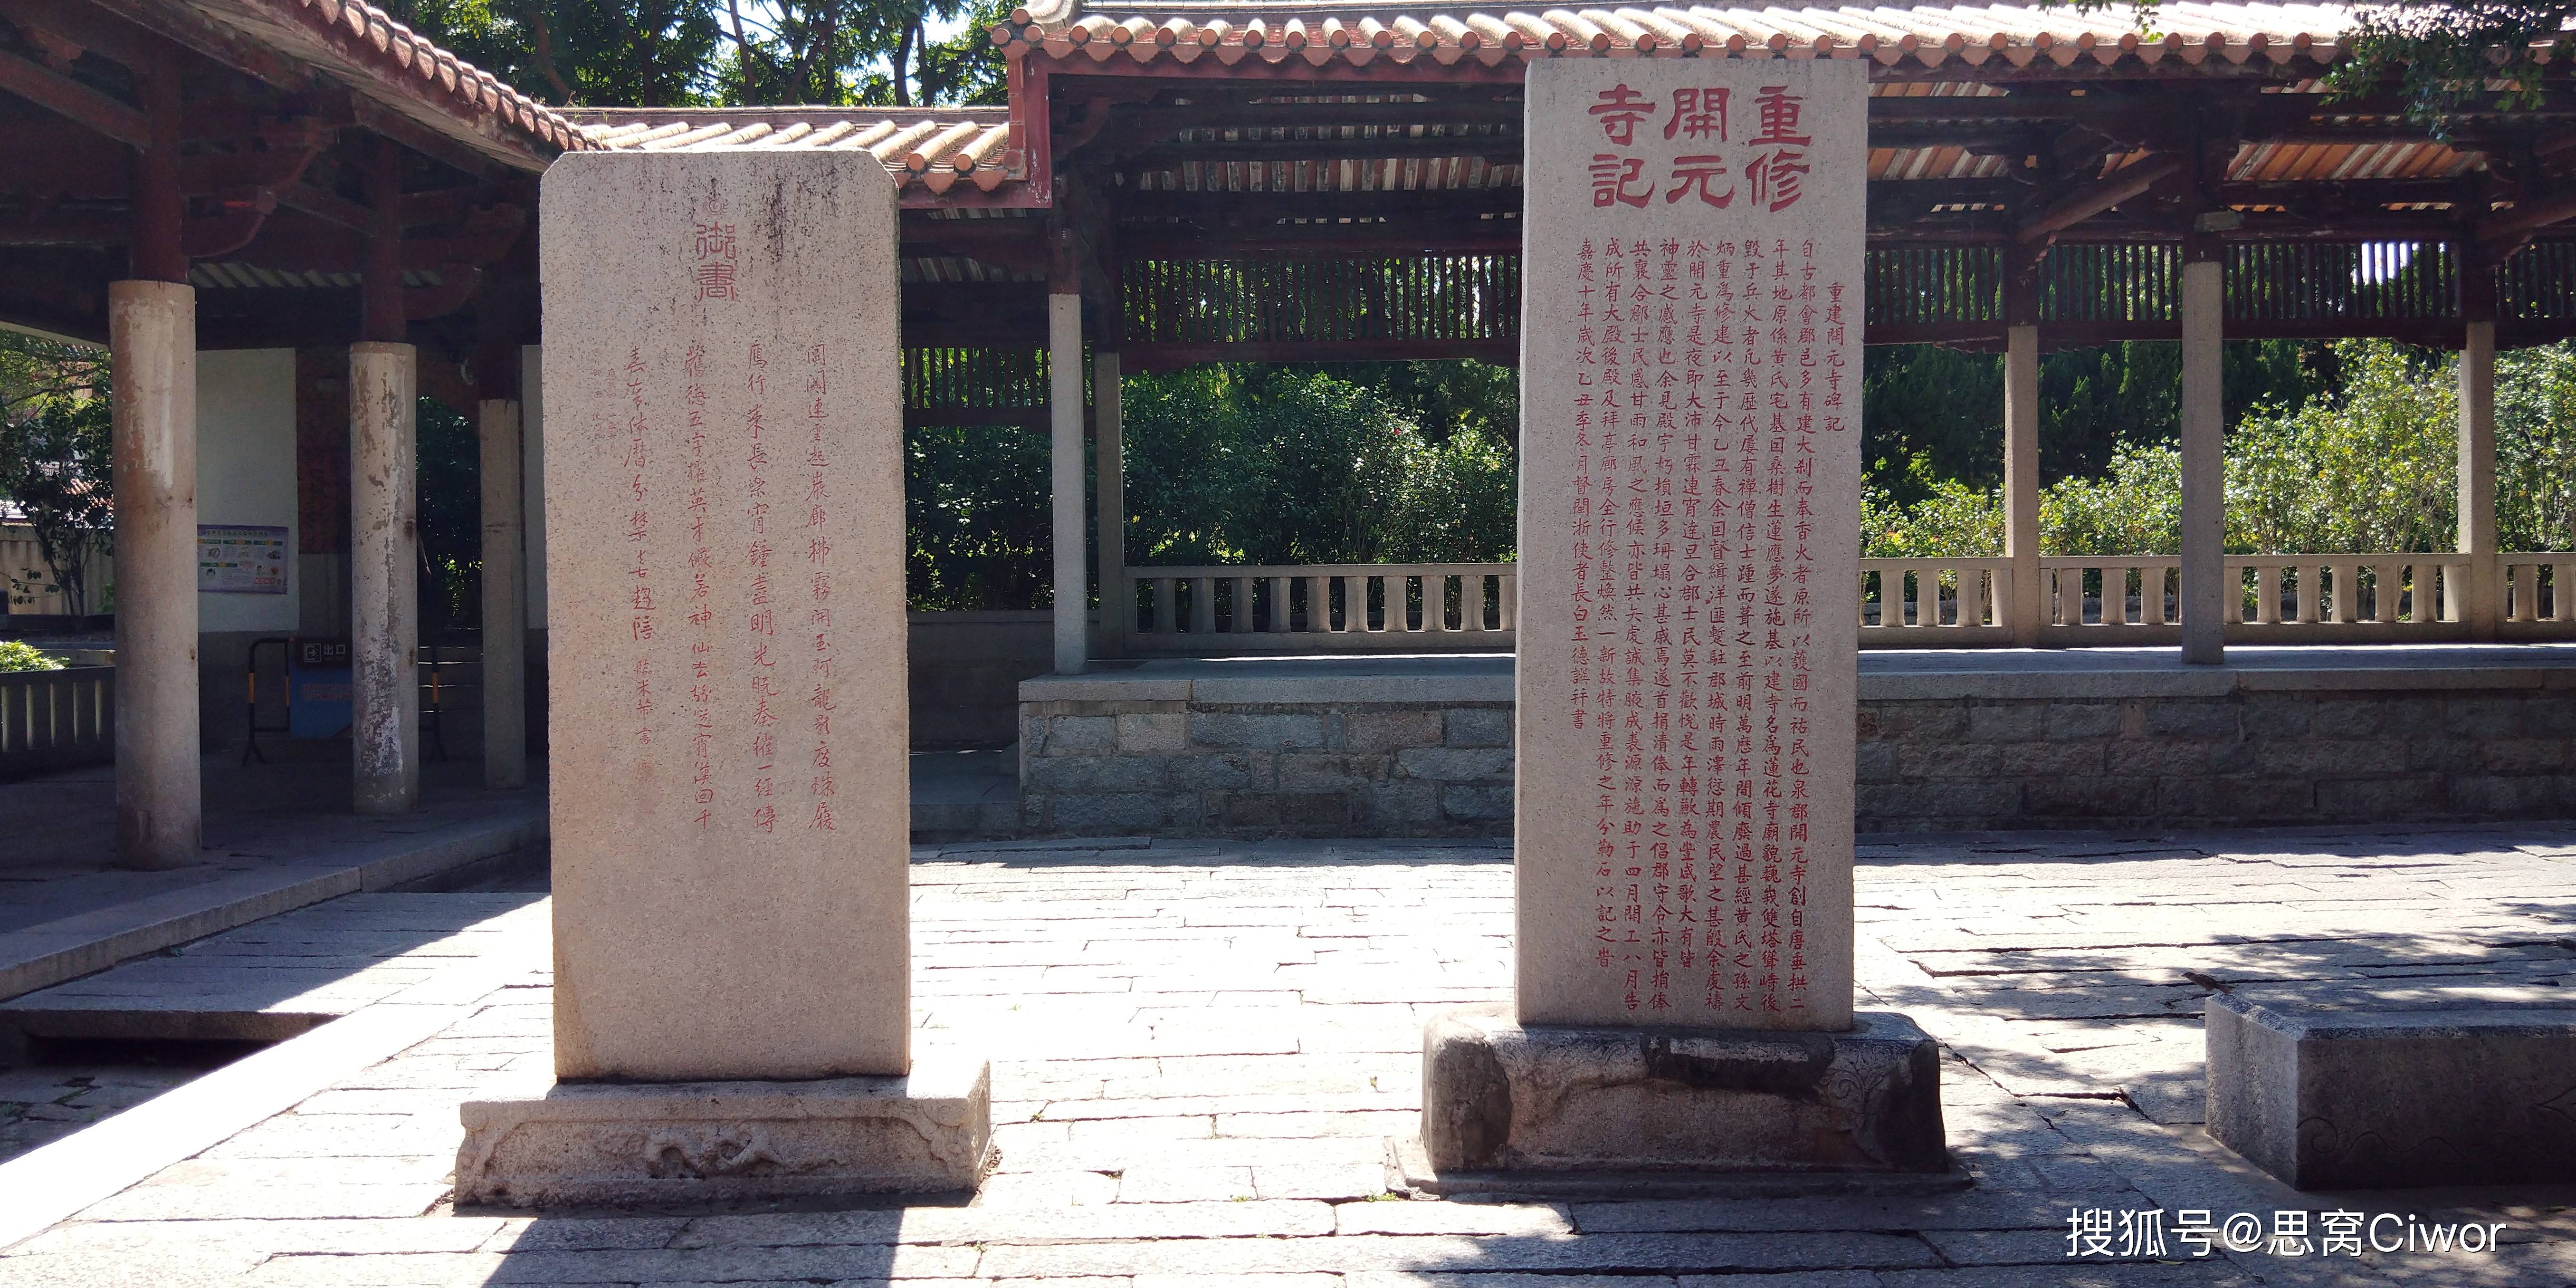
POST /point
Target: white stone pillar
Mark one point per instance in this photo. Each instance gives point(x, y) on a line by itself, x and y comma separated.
point(1108, 411)
point(2021, 482)
point(2206, 598)
point(384, 577)
point(2483, 604)
point(152, 340)
point(505, 605)
point(1064, 401)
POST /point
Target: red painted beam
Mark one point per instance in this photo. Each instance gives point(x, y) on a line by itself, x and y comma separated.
point(66, 97)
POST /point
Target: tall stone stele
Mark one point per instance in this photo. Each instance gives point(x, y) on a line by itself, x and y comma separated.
point(731, 815)
point(1690, 494)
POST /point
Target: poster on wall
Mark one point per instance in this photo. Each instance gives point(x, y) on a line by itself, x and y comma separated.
point(241, 560)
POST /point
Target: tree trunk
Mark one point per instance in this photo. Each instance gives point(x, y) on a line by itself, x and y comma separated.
point(902, 55)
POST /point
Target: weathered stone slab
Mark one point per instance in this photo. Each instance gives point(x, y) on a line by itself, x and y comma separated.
point(1690, 352)
point(1498, 1096)
point(725, 542)
point(2365, 1094)
point(696, 1141)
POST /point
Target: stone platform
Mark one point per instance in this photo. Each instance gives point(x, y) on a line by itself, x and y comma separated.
point(2364, 1091)
point(1950, 740)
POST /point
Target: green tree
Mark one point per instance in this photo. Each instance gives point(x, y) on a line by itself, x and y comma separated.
point(2536, 448)
point(1930, 414)
point(2449, 56)
point(449, 506)
point(978, 517)
point(2373, 466)
point(56, 461)
point(592, 53)
point(2370, 465)
point(1266, 465)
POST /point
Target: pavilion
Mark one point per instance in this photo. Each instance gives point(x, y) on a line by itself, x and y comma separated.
point(1184, 182)
point(283, 217)
point(1191, 181)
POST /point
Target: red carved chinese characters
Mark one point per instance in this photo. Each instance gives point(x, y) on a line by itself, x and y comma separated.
point(635, 464)
point(1705, 368)
point(760, 616)
point(701, 605)
point(713, 270)
point(817, 543)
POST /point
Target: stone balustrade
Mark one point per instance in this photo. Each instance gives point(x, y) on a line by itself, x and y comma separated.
point(1321, 608)
point(57, 719)
point(1221, 610)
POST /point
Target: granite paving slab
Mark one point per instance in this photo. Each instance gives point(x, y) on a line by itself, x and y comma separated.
point(1188, 1127)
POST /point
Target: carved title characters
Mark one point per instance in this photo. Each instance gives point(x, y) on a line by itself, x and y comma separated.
point(1774, 173)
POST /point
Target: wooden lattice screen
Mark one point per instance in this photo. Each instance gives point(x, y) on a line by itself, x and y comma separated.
point(1913, 286)
point(1252, 301)
point(1282, 309)
point(2110, 284)
point(2320, 282)
point(2539, 284)
point(966, 386)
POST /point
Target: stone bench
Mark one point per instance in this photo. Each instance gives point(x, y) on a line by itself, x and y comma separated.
point(2357, 1092)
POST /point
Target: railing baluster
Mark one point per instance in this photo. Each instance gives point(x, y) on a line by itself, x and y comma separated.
point(2342, 592)
point(2267, 594)
point(1203, 605)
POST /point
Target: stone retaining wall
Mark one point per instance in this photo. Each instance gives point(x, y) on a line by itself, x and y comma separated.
point(1175, 766)
point(1992, 751)
point(2240, 759)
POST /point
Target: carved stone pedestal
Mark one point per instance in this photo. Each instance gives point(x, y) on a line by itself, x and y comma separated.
point(1500, 1099)
point(689, 1142)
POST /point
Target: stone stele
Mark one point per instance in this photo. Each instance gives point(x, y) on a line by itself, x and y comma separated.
point(731, 815)
point(1690, 476)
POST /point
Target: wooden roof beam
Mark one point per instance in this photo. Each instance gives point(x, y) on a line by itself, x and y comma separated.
point(2090, 199)
point(2527, 217)
point(60, 94)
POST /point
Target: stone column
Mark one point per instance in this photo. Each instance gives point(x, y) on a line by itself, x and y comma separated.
point(2482, 606)
point(384, 577)
point(2021, 483)
point(729, 719)
point(2207, 600)
point(1064, 402)
point(1109, 461)
point(1683, 831)
point(505, 605)
point(152, 340)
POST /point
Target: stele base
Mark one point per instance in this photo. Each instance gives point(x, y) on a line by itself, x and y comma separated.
point(1500, 1098)
point(693, 1142)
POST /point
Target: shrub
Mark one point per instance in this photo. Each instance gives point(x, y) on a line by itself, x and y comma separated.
point(19, 655)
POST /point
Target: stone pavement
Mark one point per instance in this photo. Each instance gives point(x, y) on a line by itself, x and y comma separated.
point(1200, 1049)
point(277, 836)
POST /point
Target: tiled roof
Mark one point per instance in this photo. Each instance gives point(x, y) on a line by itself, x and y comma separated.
point(1366, 31)
point(364, 47)
point(935, 148)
